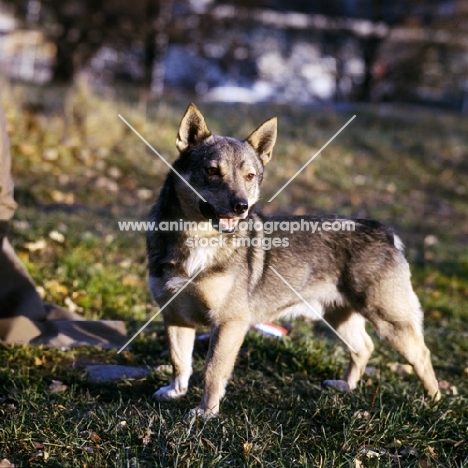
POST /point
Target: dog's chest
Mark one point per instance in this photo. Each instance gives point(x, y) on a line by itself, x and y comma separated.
point(198, 259)
point(201, 296)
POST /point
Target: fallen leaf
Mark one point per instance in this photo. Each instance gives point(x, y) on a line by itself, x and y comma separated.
point(448, 387)
point(79, 293)
point(146, 439)
point(40, 244)
point(55, 286)
point(370, 453)
point(57, 236)
point(6, 464)
point(72, 306)
point(358, 463)
point(164, 369)
point(57, 387)
point(85, 156)
point(94, 437)
point(50, 154)
point(430, 240)
point(395, 444)
point(114, 172)
point(361, 414)
point(121, 425)
point(209, 443)
point(41, 291)
point(360, 179)
point(300, 210)
point(144, 194)
point(400, 369)
point(131, 280)
point(106, 184)
point(432, 452)
point(28, 150)
point(109, 238)
point(61, 197)
point(103, 152)
point(247, 448)
point(127, 263)
point(444, 384)
point(39, 361)
point(37, 455)
point(63, 179)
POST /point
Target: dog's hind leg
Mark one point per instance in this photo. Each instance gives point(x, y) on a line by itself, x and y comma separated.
point(407, 340)
point(181, 340)
point(398, 319)
point(351, 328)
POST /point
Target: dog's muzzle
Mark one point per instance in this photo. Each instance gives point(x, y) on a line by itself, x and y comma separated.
point(225, 224)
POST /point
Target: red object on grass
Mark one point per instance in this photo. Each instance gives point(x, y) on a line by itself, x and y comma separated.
point(271, 329)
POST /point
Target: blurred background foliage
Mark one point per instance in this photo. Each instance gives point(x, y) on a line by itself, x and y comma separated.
point(262, 50)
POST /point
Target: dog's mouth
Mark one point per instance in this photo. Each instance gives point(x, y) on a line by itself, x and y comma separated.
point(225, 224)
point(228, 224)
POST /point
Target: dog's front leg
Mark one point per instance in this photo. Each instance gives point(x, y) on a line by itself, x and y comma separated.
point(226, 340)
point(181, 340)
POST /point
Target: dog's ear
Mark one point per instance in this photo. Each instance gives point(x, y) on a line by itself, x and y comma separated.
point(192, 129)
point(263, 139)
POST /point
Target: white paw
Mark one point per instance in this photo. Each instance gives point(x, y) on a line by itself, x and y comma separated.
point(341, 385)
point(168, 393)
point(198, 412)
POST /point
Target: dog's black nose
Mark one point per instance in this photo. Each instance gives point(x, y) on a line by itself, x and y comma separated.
point(240, 206)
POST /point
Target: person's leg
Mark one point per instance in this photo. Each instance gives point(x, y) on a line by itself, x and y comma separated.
point(24, 318)
point(7, 202)
point(18, 296)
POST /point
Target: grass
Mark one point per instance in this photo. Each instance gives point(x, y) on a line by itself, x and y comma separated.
point(78, 170)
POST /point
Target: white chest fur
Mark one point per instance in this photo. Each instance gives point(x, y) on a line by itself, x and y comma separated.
point(199, 258)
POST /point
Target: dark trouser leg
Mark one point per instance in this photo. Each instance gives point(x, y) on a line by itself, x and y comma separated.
point(18, 296)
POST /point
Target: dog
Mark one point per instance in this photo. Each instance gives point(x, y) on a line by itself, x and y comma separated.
point(214, 274)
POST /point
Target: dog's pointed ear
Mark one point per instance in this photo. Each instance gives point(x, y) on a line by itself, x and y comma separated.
point(264, 138)
point(192, 129)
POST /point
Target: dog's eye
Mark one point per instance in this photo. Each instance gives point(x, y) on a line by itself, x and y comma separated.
point(212, 171)
point(250, 176)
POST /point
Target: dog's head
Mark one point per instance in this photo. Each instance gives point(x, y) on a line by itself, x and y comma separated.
point(225, 171)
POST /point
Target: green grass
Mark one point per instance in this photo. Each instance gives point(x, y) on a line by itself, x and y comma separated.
point(79, 170)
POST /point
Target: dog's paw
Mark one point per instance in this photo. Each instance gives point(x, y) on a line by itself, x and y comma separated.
point(340, 385)
point(198, 412)
point(168, 393)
